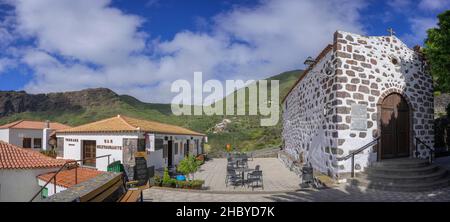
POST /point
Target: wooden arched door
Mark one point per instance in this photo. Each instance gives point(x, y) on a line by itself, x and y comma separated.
point(394, 127)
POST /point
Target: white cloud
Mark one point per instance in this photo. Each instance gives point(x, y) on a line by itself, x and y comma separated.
point(419, 27)
point(88, 43)
point(434, 5)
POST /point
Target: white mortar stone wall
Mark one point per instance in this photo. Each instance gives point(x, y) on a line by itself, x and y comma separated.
point(308, 127)
point(358, 69)
point(367, 75)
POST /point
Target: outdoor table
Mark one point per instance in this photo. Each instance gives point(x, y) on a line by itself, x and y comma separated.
point(243, 170)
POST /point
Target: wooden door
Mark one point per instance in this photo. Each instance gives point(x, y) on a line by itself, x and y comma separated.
point(89, 152)
point(394, 127)
point(170, 154)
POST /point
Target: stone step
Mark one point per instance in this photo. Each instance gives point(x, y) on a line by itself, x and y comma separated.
point(401, 163)
point(395, 179)
point(408, 187)
point(402, 171)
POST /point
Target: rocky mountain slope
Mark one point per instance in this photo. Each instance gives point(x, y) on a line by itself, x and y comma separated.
point(79, 107)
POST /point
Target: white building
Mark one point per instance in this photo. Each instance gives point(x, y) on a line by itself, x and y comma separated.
point(30, 134)
point(359, 90)
point(65, 179)
point(122, 136)
point(18, 171)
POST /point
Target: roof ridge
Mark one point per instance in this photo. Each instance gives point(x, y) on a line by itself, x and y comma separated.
point(91, 123)
point(126, 122)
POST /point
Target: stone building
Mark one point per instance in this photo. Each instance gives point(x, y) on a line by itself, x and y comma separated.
point(358, 89)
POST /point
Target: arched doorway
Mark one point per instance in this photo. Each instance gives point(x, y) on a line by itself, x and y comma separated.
point(394, 127)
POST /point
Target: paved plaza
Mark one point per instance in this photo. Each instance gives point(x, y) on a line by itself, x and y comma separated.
point(281, 185)
point(276, 177)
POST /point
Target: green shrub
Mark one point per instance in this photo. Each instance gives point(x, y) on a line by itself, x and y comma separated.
point(166, 176)
point(49, 153)
point(189, 165)
point(157, 181)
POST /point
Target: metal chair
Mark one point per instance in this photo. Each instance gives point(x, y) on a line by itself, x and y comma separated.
point(232, 177)
point(255, 177)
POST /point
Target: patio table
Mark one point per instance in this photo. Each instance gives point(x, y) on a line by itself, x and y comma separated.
point(242, 171)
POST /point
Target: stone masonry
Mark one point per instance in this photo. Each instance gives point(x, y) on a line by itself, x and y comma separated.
point(317, 119)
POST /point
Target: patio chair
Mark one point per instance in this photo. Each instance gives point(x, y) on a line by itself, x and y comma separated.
point(232, 177)
point(243, 163)
point(255, 179)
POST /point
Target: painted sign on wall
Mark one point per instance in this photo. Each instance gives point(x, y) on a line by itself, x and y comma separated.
point(150, 142)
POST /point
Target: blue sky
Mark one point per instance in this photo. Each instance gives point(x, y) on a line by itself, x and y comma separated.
point(140, 47)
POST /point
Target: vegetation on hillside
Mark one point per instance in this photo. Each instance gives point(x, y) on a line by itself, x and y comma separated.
point(244, 132)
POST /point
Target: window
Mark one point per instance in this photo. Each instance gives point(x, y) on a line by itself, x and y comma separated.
point(176, 148)
point(165, 148)
point(37, 143)
point(44, 193)
point(159, 144)
point(141, 145)
point(26, 143)
point(60, 147)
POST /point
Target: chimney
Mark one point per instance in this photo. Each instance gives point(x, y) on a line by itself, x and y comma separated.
point(47, 124)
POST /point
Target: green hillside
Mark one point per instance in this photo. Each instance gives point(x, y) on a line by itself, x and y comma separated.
point(244, 132)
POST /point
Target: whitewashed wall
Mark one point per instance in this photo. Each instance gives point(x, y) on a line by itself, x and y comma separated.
point(73, 146)
point(20, 185)
point(4, 135)
point(363, 73)
point(51, 187)
point(16, 136)
point(367, 75)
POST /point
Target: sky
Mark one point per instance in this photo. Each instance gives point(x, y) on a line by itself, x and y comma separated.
point(141, 47)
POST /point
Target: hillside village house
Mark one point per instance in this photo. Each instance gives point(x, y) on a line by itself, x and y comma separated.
point(122, 136)
point(65, 179)
point(19, 169)
point(30, 134)
point(359, 89)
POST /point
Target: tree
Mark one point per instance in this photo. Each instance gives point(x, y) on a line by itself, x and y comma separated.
point(188, 166)
point(437, 52)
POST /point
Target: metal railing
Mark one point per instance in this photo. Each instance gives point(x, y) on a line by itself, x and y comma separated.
point(352, 154)
point(431, 150)
point(66, 165)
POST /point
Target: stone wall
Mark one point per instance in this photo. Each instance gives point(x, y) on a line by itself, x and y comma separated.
point(308, 129)
point(369, 69)
point(356, 70)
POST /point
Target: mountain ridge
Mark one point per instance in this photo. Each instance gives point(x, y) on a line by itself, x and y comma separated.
point(79, 107)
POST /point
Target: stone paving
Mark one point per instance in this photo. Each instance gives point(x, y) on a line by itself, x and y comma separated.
point(282, 189)
point(343, 193)
point(276, 177)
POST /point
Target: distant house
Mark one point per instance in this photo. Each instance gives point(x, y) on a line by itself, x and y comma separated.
point(65, 179)
point(18, 171)
point(122, 136)
point(30, 134)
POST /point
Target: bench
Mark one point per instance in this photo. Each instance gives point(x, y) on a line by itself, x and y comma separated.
point(132, 195)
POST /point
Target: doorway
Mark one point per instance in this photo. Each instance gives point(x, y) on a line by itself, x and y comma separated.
point(89, 153)
point(170, 154)
point(395, 140)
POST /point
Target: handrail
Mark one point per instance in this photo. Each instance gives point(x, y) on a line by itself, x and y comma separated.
point(352, 154)
point(64, 166)
point(432, 151)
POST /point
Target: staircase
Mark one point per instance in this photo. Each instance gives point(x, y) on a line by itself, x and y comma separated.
point(408, 175)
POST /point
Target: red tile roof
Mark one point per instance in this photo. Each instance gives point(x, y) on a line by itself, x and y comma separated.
point(13, 157)
point(27, 124)
point(66, 178)
point(127, 124)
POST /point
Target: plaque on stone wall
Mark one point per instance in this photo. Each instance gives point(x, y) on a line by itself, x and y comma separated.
point(359, 117)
